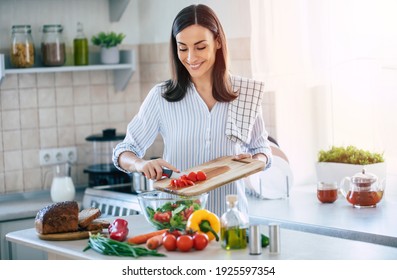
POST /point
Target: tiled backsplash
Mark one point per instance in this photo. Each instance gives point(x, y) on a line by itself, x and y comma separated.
point(48, 110)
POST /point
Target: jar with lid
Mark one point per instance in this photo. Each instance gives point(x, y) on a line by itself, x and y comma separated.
point(234, 226)
point(53, 51)
point(22, 47)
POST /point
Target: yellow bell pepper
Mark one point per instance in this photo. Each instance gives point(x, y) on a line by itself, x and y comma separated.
point(204, 221)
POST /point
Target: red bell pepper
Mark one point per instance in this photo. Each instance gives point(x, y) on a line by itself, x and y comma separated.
point(118, 230)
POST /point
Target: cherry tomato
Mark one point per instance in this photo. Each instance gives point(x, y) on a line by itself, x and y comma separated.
point(169, 242)
point(192, 176)
point(200, 241)
point(184, 243)
point(162, 217)
point(201, 176)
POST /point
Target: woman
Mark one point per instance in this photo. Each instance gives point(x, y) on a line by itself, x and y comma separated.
point(201, 113)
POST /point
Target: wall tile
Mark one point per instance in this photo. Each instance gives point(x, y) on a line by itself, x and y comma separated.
point(11, 120)
point(27, 80)
point(64, 96)
point(98, 77)
point(48, 138)
point(99, 94)
point(63, 79)
point(116, 112)
point(9, 99)
point(45, 80)
point(2, 183)
point(132, 93)
point(14, 181)
point(30, 139)
point(82, 115)
point(29, 118)
point(28, 98)
point(100, 114)
point(12, 160)
point(81, 78)
point(66, 136)
point(46, 97)
point(81, 132)
point(81, 95)
point(10, 83)
point(12, 140)
point(32, 179)
point(47, 117)
point(30, 159)
point(65, 116)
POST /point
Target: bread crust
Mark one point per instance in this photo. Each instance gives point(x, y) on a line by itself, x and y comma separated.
point(57, 218)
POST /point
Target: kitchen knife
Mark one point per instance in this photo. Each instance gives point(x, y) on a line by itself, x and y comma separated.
point(172, 174)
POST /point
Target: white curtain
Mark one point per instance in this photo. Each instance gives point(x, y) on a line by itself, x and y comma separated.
point(332, 67)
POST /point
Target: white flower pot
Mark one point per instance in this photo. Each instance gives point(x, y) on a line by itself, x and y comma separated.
point(110, 55)
point(332, 172)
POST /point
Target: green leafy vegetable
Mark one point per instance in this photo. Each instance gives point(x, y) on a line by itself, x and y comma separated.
point(107, 40)
point(107, 246)
point(350, 155)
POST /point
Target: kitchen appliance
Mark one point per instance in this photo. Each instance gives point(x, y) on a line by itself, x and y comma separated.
point(363, 190)
point(102, 170)
point(112, 200)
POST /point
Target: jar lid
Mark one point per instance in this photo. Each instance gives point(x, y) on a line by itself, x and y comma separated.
point(108, 134)
point(52, 28)
point(364, 177)
point(23, 28)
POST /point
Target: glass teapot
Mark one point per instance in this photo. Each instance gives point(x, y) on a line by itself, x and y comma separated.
point(62, 187)
point(362, 190)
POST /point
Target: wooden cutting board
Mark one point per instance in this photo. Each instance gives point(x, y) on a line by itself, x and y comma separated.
point(67, 235)
point(219, 172)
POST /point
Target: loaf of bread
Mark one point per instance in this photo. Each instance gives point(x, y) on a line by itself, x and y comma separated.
point(58, 217)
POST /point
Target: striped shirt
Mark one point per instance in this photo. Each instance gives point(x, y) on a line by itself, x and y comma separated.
point(192, 135)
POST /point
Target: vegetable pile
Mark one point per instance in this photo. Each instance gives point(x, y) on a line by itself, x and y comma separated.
point(173, 214)
point(188, 180)
point(107, 246)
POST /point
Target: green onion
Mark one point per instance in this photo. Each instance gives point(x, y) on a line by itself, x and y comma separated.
point(110, 247)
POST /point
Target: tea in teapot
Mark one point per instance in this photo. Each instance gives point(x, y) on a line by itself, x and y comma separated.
point(362, 190)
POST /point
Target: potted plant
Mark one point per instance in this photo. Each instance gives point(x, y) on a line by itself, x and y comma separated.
point(335, 164)
point(109, 46)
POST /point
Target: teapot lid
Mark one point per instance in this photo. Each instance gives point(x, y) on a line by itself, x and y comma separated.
point(364, 177)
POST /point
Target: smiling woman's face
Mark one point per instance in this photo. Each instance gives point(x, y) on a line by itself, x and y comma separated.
point(197, 50)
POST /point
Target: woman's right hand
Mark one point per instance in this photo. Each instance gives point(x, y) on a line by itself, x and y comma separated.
point(153, 169)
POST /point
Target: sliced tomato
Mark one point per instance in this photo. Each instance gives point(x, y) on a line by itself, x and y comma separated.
point(192, 176)
point(201, 176)
point(163, 217)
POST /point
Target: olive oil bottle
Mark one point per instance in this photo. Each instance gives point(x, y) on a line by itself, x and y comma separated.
point(234, 226)
point(80, 47)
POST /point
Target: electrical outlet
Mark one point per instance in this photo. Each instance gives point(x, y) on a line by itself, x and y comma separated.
point(58, 155)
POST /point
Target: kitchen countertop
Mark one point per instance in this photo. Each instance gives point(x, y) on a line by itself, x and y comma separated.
point(302, 211)
point(294, 245)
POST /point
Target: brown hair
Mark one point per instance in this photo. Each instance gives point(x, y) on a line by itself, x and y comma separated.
point(176, 87)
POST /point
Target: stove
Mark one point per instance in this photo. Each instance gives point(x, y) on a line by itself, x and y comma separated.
point(112, 200)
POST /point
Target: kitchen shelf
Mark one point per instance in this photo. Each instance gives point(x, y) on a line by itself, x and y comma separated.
point(122, 71)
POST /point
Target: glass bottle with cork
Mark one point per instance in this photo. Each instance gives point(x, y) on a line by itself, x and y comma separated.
point(80, 46)
point(234, 226)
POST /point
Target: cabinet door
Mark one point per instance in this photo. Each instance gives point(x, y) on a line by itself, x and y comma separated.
point(15, 251)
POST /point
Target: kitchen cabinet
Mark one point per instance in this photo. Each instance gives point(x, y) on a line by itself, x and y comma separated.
point(10, 251)
point(122, 71)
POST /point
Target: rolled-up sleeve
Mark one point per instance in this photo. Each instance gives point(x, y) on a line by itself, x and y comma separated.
point(142, 130)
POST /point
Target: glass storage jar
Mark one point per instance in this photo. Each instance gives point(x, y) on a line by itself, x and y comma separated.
point(53, 51)
point(22, 47)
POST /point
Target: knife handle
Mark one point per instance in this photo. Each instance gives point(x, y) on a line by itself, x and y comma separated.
point(167, 172)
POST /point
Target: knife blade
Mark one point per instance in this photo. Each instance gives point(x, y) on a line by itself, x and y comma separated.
point(172, 174)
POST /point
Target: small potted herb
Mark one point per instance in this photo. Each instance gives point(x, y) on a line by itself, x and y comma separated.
point(336, 163)
point(108, 42)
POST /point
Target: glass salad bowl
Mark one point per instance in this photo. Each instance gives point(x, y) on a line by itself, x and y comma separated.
point(164, 210)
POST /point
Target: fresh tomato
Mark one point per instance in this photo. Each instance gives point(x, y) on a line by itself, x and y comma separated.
point(169, 242)
point(201, 176)
point(184, 243)
point(174, 232)
point(187, 212)
point(200, 241)
point(192, 176)
point(162, 217)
